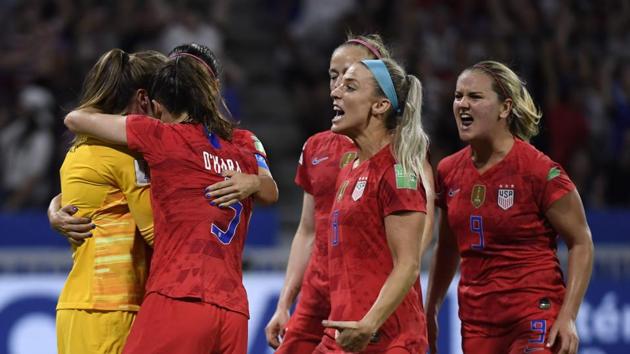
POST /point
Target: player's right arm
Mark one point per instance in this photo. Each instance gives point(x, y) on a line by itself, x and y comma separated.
point(444, 265)
point(107, 127)
point(299, 256)
point(75, 229)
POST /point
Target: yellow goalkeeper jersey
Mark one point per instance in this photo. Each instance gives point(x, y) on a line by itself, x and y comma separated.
point(109, 184)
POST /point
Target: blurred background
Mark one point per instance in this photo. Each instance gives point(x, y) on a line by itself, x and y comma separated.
point(574, 55)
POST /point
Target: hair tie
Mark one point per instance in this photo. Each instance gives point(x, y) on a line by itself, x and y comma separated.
point(384, 79)
point(212, 73)
point(371, 48)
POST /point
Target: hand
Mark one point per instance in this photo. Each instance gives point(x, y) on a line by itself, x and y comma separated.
point(564, 331)
point(76, 230)
point(276, 328)
point(352, 336)
point(237, 186)
point(432, 332)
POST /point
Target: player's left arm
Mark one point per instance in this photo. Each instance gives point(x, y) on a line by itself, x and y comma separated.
point(568, 219)
point(402, 229)
point(268, 191)
point(239, 186)
point(107, 127)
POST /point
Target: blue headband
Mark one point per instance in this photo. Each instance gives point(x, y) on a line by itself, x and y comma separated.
point(381, 74)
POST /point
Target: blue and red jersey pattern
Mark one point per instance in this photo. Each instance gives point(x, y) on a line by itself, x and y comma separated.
point(360, 260)
point(198, 247)
point(507, 247)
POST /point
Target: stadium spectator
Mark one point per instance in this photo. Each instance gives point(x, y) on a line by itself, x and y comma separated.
point(26, 147)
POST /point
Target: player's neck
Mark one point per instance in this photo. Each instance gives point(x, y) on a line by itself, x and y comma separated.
point(370, 143)
point(487, 153)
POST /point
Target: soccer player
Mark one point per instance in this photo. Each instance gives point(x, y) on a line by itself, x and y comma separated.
point(377, 215)
point(236, 186)
point(503, 204)
point(109, 184)
point(323, 155)
point(195, 301)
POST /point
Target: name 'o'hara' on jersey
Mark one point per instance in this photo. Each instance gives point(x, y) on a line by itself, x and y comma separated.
point(360, 259)
point(507, 247)
point(198, 246)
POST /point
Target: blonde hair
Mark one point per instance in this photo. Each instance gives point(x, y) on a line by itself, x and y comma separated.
point(111, 83)
point(525, 116)
point(411, 143)
point(373, 43)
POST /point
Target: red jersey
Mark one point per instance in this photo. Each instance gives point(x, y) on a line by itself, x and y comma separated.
point(359, 256)
point(198, 247)
point(507, 247)
point(323, 156)
point(245, 139)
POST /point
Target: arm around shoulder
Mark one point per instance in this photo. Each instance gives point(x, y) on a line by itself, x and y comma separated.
point(106, 127)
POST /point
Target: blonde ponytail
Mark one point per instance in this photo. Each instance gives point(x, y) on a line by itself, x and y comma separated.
point(410, 140)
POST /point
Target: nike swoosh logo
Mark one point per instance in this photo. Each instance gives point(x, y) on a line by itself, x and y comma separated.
point(317, 161)
point(452, 192)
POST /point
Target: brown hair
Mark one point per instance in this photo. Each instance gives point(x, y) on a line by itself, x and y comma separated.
point(525, 116)
point(111, 83)
point(372, 43)
point(185, 85)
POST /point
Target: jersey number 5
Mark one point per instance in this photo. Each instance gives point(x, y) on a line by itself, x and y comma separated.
point(226, 236)
point(476, 227)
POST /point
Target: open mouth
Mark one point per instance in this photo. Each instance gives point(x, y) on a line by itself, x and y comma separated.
point(466, 119)
point(338, 112)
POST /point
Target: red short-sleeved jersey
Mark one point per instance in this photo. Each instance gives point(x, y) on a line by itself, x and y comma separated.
point(359, 257)
point(323, 156)
point(198, 247)
point(247, 140)
point(507, 247)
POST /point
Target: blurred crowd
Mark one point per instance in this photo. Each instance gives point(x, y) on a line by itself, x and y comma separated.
point(573, 54)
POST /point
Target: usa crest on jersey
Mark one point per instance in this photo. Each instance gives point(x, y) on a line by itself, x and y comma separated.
point(505, 196)
point(359, 188)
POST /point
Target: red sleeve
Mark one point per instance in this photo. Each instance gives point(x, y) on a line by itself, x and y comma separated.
point(250, 142)
point(302, 178)
point(146, 135)
point(440, 192)
point(555, 181)
point(401, 193)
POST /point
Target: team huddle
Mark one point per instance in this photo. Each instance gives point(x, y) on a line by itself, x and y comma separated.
point(159, 185)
